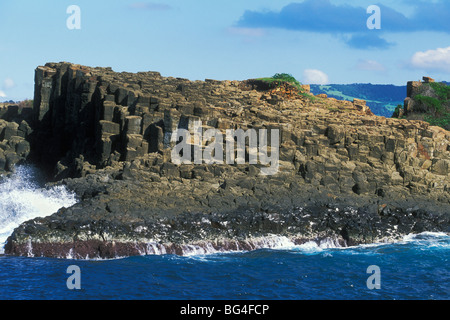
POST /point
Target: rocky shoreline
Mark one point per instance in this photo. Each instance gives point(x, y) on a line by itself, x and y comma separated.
point(109, 223)
point(345, 175)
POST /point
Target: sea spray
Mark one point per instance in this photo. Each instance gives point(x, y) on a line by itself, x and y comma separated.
point(23, 197)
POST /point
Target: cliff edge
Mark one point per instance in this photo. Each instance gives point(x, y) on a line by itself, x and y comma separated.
point(344, 174)
point(426, 100)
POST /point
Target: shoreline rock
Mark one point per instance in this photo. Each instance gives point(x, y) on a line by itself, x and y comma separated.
point(108, 222)
point(110, 243)
point(344, 173)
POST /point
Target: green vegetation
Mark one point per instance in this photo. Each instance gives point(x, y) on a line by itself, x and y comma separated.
point(280, 78)
point(436, 104)
point(367, 91)
point(439, 111)
point(397, 111)
point(334, 93)
point(443, 121)
point(436, 111)
point(441, 90)
point(288, 78)
point(382, 99)
point(390, 107)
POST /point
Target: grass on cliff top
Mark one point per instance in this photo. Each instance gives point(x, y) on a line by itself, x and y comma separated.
point(283, 77)
point(440, 113)
point(441, 90)
point(438, 108)
point(435, 104)
point(443, 121)
point(280, 78)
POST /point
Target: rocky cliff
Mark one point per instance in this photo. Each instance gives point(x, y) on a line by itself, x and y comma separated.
point(344, 174)
point(14, 133)
point(426, 100)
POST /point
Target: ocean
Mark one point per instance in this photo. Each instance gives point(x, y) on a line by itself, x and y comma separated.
point(416, 268)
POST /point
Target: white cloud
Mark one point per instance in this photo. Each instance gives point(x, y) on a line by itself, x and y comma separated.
point(314, 76)
point(2, 94)
point(8, 83)
point(438, 59)
point(370, 65)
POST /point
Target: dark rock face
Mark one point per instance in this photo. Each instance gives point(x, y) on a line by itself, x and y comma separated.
point(344, 174)
point(122, 218)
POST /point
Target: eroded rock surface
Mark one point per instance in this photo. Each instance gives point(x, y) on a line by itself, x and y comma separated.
point(344, 173)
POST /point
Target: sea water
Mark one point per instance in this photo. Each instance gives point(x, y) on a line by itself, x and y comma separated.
point(415, 268)
point(23, 197)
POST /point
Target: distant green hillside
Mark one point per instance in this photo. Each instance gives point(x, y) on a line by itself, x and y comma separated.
point(382, 99)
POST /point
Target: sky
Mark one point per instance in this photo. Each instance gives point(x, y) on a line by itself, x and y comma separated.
point(316, 41)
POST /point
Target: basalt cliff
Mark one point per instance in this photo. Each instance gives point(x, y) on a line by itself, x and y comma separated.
point(426, 100)
point(345, 175)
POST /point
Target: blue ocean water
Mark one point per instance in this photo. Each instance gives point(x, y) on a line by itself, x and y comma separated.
point(416, 268)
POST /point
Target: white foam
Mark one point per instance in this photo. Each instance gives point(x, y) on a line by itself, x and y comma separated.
point(425, 236)
point(21, 199)
point(439, 240)
point(318, 246)
point(310, 246)
point(274, 242)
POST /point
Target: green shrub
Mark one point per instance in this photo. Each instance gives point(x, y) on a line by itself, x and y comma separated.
point(397, 110)
point(279, 78)
point(442, 121)
point(287, 78)
point(441, 90)
point(436, 104)
point(439, 114)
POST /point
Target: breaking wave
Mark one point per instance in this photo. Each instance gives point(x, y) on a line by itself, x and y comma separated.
point(425, 240)
point(23, 197)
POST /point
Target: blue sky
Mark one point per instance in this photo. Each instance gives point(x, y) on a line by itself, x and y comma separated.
point(317, 41)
